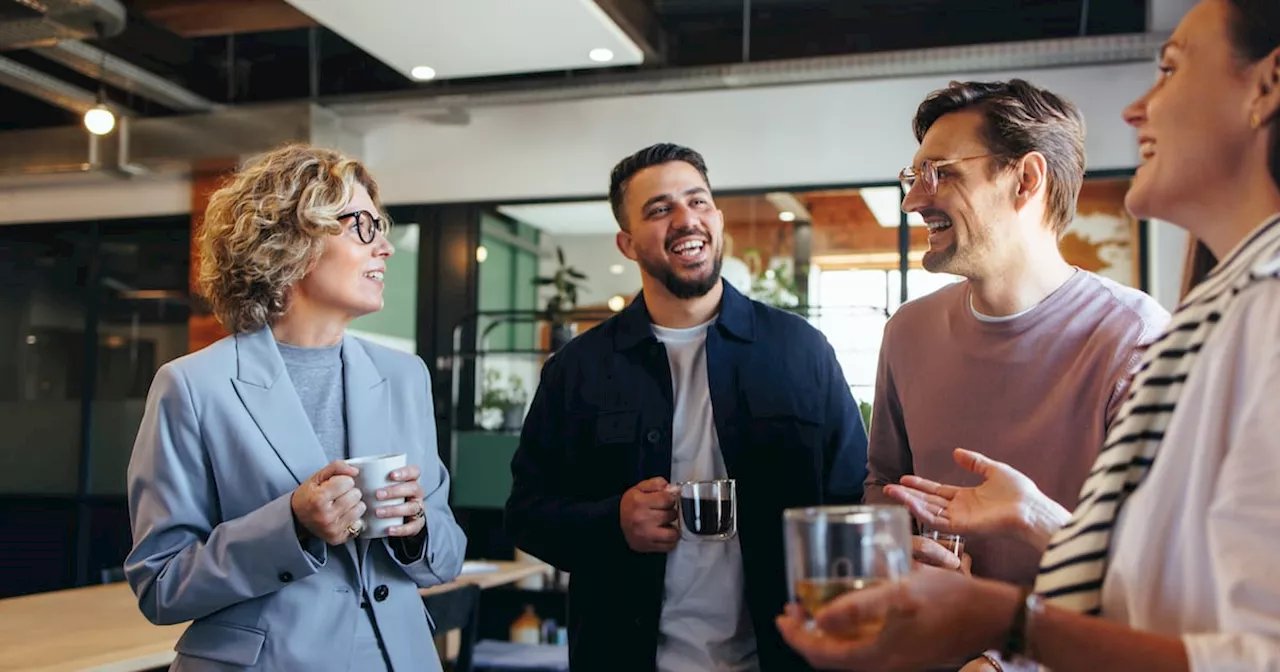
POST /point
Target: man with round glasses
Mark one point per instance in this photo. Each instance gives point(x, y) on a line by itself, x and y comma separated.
point(1025, 361)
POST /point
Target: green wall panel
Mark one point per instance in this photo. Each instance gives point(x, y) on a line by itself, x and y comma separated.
point(482, 469)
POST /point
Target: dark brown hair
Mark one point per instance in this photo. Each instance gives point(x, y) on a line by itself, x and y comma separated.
point(1019, 119)
point(652, 155)
point(1255, 33)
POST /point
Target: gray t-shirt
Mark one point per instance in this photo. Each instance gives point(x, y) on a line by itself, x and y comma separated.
point(705, 626)
point(317, 376)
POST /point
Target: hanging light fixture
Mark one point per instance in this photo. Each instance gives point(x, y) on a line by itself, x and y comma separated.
point(99, 119)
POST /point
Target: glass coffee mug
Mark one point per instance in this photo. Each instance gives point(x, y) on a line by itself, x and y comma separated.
point(832, 550)
point(708, 510)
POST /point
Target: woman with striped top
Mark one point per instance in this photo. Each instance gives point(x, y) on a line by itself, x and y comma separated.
point(1167, 562)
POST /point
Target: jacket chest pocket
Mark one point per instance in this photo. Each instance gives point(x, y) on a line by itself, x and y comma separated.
point(783, 445)
point(786, 418)
point(603, 456)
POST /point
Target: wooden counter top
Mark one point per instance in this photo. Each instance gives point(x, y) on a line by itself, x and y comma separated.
point(100, 628)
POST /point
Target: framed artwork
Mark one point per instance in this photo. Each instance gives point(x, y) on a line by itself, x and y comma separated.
point(1103, 238)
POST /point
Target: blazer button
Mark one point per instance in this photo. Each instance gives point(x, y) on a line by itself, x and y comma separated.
point(380, 593)
point(653, 436)
point(285, 577)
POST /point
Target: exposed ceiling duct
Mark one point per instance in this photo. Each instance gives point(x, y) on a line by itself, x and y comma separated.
point(171, 144)
point(40, 23)
point(1065, 52)
point(174, 143)
point(93, 62)
point(50, 89)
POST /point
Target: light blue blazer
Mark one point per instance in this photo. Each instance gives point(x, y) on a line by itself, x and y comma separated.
point(222, 446)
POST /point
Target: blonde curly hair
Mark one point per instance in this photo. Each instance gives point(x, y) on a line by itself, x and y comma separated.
point(266, 227)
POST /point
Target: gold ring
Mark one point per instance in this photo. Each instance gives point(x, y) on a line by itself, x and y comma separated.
point(355, 528)
point(422, 512)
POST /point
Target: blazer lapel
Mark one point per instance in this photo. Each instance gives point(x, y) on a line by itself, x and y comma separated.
point(367, 400)
point(269, 396)
point(368, 403)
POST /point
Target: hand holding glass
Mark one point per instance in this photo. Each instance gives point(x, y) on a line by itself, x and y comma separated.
point(834, 550)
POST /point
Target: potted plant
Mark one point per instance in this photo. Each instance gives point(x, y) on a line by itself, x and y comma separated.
point(506, 398)
point(560, 305)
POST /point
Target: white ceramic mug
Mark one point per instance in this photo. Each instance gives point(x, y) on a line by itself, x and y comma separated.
point(375, 472)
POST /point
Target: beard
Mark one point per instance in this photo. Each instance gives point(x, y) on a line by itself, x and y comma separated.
point(683, 288)
point(942, 261)
point(967, 259)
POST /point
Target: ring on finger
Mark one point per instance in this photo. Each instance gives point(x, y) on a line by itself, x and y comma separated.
point(355, 528)
point(420, 513)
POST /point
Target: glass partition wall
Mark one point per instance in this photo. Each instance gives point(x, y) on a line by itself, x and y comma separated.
point(90, 311)
point(845, 258)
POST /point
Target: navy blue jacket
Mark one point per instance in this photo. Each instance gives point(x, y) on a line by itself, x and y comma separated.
point(601, 421)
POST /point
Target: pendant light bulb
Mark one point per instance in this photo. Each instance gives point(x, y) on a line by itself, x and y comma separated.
point(99, 120)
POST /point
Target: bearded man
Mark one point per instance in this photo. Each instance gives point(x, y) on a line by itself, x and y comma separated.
point(691, 382)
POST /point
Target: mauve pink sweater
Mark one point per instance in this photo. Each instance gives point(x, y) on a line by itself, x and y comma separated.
point(1035, 391)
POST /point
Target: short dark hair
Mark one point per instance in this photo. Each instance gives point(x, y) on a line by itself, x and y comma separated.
point(1018, 119)
point(653, 155)
point(1254, 27)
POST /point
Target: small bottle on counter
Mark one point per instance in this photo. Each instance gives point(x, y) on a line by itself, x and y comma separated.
point(548, 631)
point(527, 628)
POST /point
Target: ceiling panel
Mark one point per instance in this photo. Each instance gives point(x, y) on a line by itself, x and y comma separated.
point(565, 219)
point(477, 38)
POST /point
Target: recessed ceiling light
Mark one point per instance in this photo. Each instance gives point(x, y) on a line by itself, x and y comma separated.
point(616, 269)
point(601, 55)
point(787, 216)
point(617, 303)
point(422, 73)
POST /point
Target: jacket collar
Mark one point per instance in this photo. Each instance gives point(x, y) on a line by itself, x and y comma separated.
point(270, 397)
point(736, 318)
point(258, 361)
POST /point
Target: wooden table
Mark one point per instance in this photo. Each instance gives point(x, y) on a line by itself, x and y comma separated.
point(100, 628)
point(504, 573)
point(95, 628)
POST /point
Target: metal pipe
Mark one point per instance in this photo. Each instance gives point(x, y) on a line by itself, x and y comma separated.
point(94, 62)
point(942, 61)
point(50, 89)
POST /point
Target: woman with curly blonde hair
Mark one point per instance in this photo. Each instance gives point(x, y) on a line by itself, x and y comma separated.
point(246, 519)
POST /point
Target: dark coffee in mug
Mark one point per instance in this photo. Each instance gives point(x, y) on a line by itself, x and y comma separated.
point(707, 517)
point(708, 510)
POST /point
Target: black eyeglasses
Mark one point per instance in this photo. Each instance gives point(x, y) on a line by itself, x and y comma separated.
point(367, 226)
point(928, 173)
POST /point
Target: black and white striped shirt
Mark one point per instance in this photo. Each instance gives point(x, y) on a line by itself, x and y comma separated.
point(1073, 567)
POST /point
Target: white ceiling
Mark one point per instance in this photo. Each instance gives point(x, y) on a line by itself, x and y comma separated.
point(476, 38)
point(565, 219)
point(886, 204)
